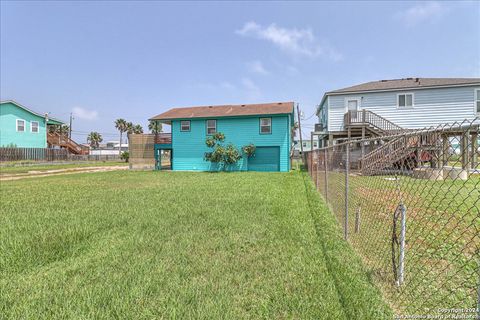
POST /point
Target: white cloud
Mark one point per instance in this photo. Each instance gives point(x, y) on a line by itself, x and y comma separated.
point(300, 42)
point(227, 85)
point(243, 89)
point(224, 85)
point(84, 114)
point(423, 12)
point(257, 67)
point(292, 70)
point(252, 91)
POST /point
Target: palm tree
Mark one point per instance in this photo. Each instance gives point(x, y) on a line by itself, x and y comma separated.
point(64, 130)
point(94, 138)
point(155, 127)
point(61, 129)
point(121, 126)
point(137, 129)
point(129, 128)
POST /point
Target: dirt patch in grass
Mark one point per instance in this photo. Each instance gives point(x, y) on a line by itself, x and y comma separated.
point(56, 172)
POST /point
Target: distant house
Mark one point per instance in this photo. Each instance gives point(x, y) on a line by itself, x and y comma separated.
point(109, 148)
point(374, 108)
point(268, 126)
point(306, 145)
point(23, 128)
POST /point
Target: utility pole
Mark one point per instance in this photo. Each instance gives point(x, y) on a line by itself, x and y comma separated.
point(70, 127)
point(300, 129)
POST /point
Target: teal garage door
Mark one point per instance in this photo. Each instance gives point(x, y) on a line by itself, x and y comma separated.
point(265, 159)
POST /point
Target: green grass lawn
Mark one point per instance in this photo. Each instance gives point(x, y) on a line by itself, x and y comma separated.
point(19, 169)
point(177, 245)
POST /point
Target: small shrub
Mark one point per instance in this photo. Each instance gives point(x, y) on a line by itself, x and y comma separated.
point(125, 155)
point(249, 150)
point(222, 155)
point(210, 142)
point(219, 136)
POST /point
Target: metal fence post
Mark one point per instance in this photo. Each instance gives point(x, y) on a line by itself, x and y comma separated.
point(316, 171)
point(326, 174)
point(311, 153)
point(357, 220)
point(347, 165)
point(478, 297)
point(401, 267)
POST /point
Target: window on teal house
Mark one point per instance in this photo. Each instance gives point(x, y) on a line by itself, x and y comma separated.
point(265, 125)
point(211, 126)
point(20, 125)
point(185, 125)
point(34, 126)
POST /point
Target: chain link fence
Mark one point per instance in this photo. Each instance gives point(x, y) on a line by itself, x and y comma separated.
point(409, 204)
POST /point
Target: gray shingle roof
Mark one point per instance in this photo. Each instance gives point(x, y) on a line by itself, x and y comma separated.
point(407, 83)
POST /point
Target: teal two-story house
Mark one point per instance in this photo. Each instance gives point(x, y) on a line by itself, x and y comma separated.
point(268, 126)
point(21, 127)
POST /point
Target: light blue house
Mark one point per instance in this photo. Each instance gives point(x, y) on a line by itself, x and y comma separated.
point(21, 127)
point(268, 126)
point(396, 104)
point(305, 145)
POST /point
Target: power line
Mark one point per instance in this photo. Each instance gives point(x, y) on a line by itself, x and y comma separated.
point(87, 132)
point(313, 114)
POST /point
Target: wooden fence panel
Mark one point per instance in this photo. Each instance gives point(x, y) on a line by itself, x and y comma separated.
point(33, 154)
point(49, 154)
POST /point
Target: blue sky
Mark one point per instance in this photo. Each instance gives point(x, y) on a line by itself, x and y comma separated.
point(106, 60)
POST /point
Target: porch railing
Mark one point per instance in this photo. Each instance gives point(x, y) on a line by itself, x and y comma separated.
point(163, 138)
point(367, 117)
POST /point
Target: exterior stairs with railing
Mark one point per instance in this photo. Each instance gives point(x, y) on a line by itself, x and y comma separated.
point(373, 123)
point(405, 150)
point(58, 140)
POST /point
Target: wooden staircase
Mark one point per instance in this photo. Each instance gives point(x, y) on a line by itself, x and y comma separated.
point(55, 139)
point(402, 152)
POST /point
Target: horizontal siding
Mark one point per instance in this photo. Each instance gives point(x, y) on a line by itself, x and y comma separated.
point(9, 113)
point(431, 107)
point(189, 147)
point(323, 113)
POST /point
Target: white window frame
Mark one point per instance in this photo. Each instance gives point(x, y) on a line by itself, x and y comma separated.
point(181, 125)
point(477, 99)
point(358, 99)
point(24, 125)
point(207, 127)
point(405, 94)
point(31, 126)
point(269, 125)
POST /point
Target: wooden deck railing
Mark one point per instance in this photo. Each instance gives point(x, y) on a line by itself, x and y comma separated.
point(163, 138)
point(367, 117)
